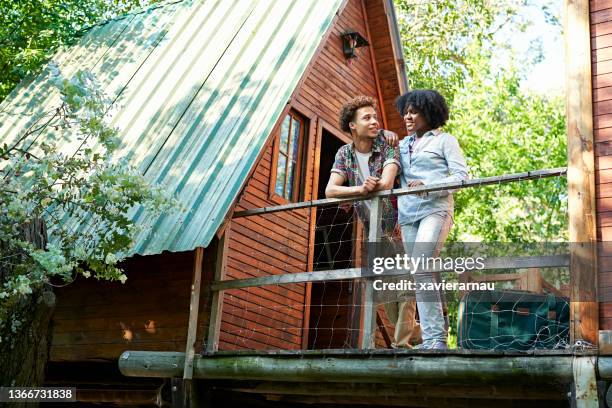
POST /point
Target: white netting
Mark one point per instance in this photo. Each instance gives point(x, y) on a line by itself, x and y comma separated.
point(329, 314)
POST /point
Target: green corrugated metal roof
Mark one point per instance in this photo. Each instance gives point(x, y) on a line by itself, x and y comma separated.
point(198, 88)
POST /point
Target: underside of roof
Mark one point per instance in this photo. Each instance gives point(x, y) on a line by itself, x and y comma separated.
point(198, 87)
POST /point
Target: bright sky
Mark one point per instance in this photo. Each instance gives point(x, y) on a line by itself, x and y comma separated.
point(548, 76)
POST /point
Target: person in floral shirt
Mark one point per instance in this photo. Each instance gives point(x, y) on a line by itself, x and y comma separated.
point(371, 164)
point(368, 164)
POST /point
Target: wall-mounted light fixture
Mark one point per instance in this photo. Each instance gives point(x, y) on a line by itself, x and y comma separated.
point(351, 40)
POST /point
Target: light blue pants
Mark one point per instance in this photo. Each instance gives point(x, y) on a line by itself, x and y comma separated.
point(425, 238)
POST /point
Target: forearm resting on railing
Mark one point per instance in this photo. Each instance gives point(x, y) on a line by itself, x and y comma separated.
point(343, 191)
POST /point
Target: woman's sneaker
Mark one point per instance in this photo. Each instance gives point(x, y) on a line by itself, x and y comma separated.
point(431, 345)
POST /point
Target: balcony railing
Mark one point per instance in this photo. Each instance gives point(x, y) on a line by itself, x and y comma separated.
point(366, 337)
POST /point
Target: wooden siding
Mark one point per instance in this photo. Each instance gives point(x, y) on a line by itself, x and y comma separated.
point(601, 63)
point(97, 320)
point(269, 316)
point(380, 38)
point(332, 80)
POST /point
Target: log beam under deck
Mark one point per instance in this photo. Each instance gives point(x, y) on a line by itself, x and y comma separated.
point(415, 368)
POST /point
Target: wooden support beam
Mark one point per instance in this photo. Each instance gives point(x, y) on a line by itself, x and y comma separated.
point(413, 368)
point(534, 280)
point(552, 289)
point(367, 339)
point(498, 391)
point(374, 66)
point(193, 312)
point(440, 400)
point(216, 309)
point(396, 45)
point(580, 172)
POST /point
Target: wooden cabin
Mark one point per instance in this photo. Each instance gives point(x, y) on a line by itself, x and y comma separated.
point(205, 93)
point(97, 321)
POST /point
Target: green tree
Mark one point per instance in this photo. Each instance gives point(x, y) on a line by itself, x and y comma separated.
point(82, 198)
point(62, 213)
point(439, 38)
point(453, 46)
point(504, 130)
point(31, 31)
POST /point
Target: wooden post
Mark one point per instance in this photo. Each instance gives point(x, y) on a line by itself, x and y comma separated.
point(212, 343)
point(581, 173)
point(315, 139)
point(534, 280)
point(381, 103)
point(193, 312)
point(369, 309)
point(188, 391)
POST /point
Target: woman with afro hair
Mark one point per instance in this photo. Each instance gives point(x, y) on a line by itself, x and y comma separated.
point(428, 155)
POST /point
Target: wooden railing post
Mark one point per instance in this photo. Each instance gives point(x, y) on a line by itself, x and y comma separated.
point(369, 309)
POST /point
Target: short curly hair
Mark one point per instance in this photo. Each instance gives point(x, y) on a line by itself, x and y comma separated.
point(348, 110)
point(428, 102)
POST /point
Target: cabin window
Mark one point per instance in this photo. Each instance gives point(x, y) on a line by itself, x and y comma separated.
point(288, 153)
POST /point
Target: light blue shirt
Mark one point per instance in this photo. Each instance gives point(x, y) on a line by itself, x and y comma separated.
point(436, 158)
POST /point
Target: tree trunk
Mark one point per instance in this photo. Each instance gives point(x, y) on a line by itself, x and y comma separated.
point(24, 355)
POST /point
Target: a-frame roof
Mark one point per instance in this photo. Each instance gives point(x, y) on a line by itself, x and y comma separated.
point(198, 87)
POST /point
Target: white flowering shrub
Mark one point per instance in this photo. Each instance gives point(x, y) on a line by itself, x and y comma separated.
point(81, 192)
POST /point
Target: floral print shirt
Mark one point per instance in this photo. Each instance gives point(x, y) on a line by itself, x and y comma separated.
point(382, 155)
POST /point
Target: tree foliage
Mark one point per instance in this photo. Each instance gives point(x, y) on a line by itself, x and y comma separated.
point(454, 46)
point(504, 130)
point(439, 38)
point(73, 192)
point(31, 31)
point(82, 194)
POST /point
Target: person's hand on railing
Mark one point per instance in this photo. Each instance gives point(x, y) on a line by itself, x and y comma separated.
point(366, 188)
point(369, 185)
point(417, 183)
point(391, 138)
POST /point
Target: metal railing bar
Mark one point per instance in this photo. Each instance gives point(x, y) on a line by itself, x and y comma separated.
point(506, 178)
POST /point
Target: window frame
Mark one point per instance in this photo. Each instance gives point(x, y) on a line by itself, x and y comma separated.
point(296, 193)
